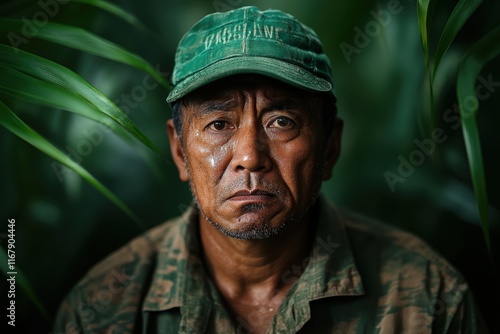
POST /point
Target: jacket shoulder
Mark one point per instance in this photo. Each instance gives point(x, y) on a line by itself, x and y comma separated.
point(110, 295)
point(394, 244)
point(140, 251)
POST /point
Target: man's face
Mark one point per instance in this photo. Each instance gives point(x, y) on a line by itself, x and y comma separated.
point(255, 154)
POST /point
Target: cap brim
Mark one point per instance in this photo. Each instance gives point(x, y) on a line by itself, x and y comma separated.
point(274, 68)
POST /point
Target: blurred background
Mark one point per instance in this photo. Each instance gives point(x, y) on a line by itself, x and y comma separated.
point(64, 225)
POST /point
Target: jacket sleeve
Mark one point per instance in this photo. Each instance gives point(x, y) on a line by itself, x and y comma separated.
point(68, 320)
point(468, 319)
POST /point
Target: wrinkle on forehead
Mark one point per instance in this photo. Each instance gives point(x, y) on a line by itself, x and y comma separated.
point(224, 89)
point(228, 93)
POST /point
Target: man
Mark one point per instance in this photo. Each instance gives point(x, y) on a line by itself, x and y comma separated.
point(255, 133)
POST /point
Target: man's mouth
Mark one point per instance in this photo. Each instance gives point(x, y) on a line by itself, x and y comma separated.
point(255, 195)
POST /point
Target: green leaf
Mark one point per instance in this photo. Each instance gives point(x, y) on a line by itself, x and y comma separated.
point(22, 282)
point(15, 125)
point(50, 72)
point(24, 87)
point(85, 41)
point(422, 16)
point(461, 13)
point(115, 10)
point(425, 11)
point(430, 14)
point(481, 53)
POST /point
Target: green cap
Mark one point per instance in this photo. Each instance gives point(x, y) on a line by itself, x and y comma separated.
point(247, 40)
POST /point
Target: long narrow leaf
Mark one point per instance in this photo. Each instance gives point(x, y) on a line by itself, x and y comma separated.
point(24, 87)
point(430, 14)
point(461, 13)
point(14, 124)
point(470, 67)
point(49, 71)
point(115, 10)
point(23, 283)
point(85, 41)
point(422, 6)
point(425, 9)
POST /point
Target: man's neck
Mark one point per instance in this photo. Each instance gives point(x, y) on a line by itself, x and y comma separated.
point(253, 270)
point(249, 274)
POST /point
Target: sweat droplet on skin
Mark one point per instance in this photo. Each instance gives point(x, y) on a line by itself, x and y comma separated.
point(217, 156)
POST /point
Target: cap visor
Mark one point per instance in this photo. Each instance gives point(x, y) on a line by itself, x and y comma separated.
point(274, 68)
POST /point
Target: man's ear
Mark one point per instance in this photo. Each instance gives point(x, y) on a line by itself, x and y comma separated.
point(333, 148)
point(177, 151)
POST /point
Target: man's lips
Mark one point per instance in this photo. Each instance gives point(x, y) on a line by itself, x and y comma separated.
point(251, 195)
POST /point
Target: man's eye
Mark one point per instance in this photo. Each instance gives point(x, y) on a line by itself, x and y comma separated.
point(218, 125)
point(282, 122)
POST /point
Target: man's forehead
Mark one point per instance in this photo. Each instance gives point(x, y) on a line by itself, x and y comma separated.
point(230, 87)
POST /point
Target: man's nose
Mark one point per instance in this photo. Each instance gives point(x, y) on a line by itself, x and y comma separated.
point(251, 149)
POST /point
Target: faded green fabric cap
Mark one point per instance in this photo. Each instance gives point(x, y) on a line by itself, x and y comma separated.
point(247, 40)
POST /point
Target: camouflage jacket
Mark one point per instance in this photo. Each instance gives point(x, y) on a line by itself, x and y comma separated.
point(361, 277)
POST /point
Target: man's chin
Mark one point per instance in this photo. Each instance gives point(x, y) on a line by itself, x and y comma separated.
point(251, 226)
point(251, 233)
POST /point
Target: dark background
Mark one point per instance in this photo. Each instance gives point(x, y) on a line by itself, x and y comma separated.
point(64, 225)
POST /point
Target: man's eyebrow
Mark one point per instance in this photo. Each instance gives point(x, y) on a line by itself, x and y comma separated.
point(208, 107)
point(285, 103)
